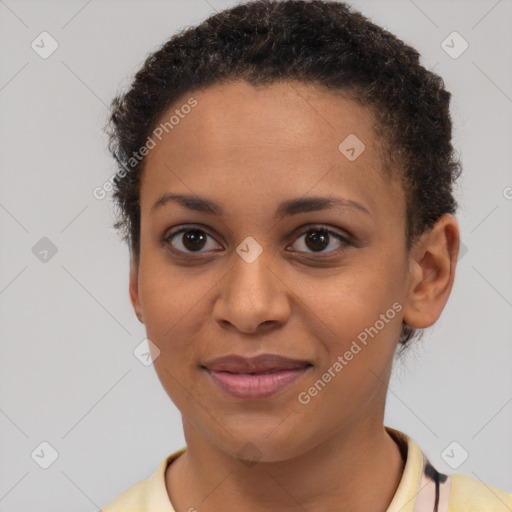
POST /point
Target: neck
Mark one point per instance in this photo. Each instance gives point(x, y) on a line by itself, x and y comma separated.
point(357, 469)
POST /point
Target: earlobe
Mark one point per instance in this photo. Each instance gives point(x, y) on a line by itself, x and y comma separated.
point(134, 291)
point(433, 260)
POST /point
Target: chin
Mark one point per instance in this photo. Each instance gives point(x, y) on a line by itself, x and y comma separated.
point(253, 446)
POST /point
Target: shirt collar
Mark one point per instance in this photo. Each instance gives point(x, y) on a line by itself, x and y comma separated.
point(405, 495)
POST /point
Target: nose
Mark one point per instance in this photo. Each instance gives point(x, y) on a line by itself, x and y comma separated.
point(253, 297)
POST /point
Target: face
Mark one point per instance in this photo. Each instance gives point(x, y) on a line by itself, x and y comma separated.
point(250, 276)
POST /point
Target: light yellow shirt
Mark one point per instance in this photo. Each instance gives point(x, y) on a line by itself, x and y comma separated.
point(416, 491)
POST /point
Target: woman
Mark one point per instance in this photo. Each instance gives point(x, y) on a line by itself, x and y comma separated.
point(285, 189)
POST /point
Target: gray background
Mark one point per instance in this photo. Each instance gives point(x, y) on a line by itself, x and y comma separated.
point(68, 375)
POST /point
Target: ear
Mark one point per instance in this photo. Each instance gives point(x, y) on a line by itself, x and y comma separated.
point(134, 289)
point(433, 259)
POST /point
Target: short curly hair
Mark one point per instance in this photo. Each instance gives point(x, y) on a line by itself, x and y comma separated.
point(317, 42)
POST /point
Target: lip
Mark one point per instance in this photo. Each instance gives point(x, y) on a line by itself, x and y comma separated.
point(261, 363)
point(257, 377)
point(256, 386)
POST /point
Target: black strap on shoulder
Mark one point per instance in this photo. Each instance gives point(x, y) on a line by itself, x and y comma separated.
point(437, 477)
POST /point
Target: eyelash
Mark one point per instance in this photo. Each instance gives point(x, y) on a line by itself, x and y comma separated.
point(345, 239)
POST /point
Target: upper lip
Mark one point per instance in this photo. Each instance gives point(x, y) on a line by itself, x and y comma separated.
point(262, 363)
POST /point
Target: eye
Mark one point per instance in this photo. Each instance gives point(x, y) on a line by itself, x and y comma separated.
point(192, 240)
point(317, 238)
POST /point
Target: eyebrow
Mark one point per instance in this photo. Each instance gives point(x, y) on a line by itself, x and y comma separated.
point(286, 208)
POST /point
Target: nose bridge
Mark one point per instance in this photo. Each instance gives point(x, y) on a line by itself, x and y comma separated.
point(252, 294)
point(252, 280)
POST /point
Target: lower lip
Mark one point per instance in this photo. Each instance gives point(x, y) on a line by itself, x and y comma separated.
point(254, 387)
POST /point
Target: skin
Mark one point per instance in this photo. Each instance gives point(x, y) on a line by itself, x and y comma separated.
point(248, 149)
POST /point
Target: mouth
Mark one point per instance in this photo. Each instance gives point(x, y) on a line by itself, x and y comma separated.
point(257, 377)
point(263, 363)
point(258, 373)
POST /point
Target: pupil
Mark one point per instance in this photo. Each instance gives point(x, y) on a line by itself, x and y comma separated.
point(193, 238)
point(318, 237)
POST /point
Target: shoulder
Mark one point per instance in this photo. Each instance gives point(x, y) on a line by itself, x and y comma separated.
point(148, 494)
point(471, 495)
point(131, 500)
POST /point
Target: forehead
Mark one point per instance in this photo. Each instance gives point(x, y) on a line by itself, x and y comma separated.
point(272, 141)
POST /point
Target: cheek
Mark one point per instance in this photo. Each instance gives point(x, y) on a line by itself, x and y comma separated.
point(352, 376)
point(172, 322)
point(356, 317)
point(170, 309)
point(167, 296)
point(346, 303)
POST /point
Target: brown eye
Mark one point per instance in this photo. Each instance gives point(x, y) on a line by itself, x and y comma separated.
point(317, 239)
point(191, 240)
